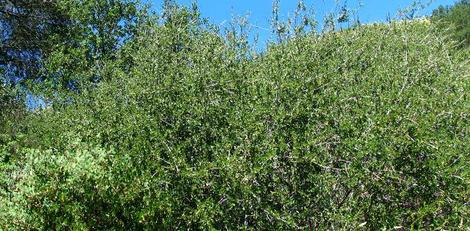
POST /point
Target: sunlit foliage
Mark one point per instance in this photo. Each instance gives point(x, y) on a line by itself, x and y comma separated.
point(361, 128)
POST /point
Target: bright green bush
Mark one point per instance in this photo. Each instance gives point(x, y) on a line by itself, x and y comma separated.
point(52, 188)
point(367, 127)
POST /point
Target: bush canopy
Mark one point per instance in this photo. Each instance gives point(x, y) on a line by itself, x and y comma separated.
point(364, 128)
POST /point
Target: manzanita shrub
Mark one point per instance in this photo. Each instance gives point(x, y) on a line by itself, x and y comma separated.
point(366, 128)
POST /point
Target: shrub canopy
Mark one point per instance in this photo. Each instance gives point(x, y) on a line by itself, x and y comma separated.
point(367, 127)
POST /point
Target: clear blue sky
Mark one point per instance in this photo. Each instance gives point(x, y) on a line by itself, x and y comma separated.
point(259, 11)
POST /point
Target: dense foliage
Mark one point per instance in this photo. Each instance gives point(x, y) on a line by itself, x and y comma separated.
point(363, 128)
point(61, 42)
point(26, 26)
point(455, 21)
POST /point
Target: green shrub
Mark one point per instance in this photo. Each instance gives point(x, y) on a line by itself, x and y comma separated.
point(59, 190)
point(367, 127)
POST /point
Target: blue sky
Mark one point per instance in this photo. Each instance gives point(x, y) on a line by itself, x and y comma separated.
point(259, 11)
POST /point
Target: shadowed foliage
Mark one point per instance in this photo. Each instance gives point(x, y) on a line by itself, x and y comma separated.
point(455, 20)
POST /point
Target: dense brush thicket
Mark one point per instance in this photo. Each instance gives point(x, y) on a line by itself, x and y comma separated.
point(364, 128)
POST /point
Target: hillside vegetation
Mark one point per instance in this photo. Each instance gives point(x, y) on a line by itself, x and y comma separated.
point(364, 128)
point(455, 20)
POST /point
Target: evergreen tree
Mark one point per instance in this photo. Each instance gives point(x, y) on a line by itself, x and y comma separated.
point(60, 40)
point(27, 27)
